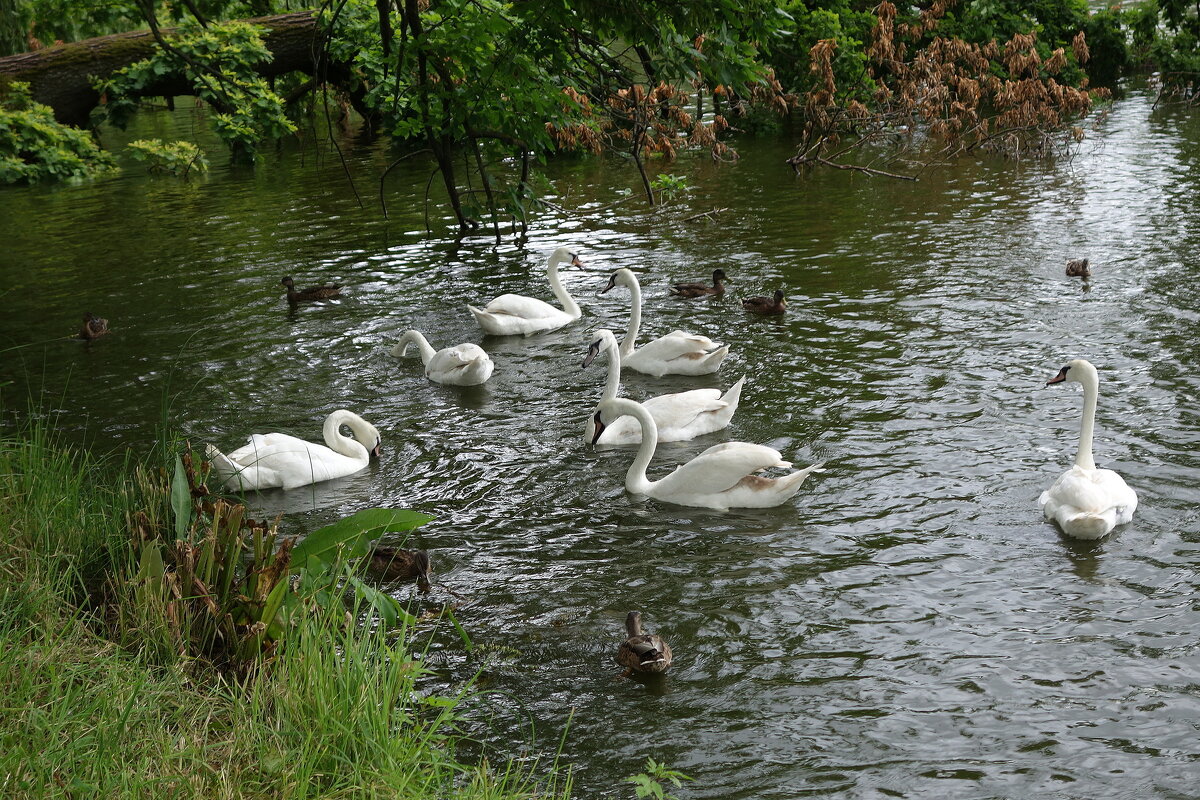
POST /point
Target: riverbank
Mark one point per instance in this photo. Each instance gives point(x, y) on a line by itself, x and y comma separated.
point(338, 711)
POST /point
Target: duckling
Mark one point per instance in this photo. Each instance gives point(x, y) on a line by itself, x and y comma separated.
point(325, 292)
point(1078, 268)
point(766, 305)
point(700, 289)
point(93, 327)
point(398, 564)
point(643, 652)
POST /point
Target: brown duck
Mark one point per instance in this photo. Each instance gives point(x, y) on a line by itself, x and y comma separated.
point(701, 289)
point(397, 564)
point(325, 292)
point(1078, 268)
point(93, 327)
point(643, 652)
point(766, 305)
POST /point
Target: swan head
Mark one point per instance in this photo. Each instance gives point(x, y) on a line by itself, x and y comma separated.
point(622, 277)
point(564, 254)
point(602, 340)
point(1076, 371)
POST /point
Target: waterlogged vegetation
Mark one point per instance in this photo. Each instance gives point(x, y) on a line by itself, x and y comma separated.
point(154, 640)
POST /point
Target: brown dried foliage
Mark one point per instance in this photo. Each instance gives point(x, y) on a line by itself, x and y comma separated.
point(949, 88)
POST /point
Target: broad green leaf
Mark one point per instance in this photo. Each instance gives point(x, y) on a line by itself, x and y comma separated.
point(181, 499)
point(352, 534)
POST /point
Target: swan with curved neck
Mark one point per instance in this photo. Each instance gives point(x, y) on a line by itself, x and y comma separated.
point(677, 353)
point(515, 314)
point(722, 477)
point(277, 460)
point(461, 365)
point(678, 417)
point(1087, 502)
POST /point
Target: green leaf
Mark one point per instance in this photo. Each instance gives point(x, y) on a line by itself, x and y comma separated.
point(462, 633)
point(181, 499)
point(388, 608)
point(351, 535)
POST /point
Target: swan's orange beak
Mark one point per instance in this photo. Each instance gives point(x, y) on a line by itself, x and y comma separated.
point(575, 262)
point(377, 450)
point(599, 426)
point(1060, 377)
point(593, 351)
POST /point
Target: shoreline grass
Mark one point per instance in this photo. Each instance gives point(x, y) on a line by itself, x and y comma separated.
point(87, 711)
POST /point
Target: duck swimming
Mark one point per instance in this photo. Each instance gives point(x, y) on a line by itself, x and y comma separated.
point(325, 292)
point(701, 289)
point(646, 653)
point(766, 305)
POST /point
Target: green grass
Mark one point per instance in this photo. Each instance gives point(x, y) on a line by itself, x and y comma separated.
point(339, 711)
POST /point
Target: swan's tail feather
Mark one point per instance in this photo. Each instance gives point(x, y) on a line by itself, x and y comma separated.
point(226, 470)
point(793, 480)
point(734, 395)
point(1087, 524)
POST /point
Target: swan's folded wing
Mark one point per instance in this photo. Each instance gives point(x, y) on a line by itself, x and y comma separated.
point(516, 305)
point(263, 443)
point(1090, 491)
point(721, 467)
point(682, 408)
point(675, 345)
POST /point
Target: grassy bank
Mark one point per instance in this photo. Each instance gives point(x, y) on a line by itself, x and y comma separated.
point(336, 711)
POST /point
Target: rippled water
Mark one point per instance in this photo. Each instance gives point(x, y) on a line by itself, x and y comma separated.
point(907, 626)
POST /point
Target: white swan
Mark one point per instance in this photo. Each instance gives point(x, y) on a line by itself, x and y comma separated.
point(1087, 502)
point(677, 353)
point(461, 365)
point(721, 477)
point(678, 417)
point(511, 314)
point(277, 460)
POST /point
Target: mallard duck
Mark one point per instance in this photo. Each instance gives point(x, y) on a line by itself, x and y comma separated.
point(701, 289)
point(643, 652)
point(325, 292)
point(766, 305)
point(398, 564)
point(1078, 268)
point(93, 327)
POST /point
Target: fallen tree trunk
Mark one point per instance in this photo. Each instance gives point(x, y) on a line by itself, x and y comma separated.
point(59, 76)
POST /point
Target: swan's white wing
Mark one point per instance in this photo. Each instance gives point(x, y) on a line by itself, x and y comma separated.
point(517, 305)
point(681, 408)
point(674, 345)
point(260, 443)
point(1088, 503)
point(720, 467)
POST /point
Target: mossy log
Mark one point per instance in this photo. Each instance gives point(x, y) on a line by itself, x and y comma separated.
point(60, 76)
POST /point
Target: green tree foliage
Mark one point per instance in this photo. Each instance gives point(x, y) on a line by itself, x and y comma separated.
point(219, 63)
point(483, 84)
point(34, 146)
point(174, 158)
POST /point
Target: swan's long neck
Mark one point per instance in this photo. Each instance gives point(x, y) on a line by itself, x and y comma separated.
point(564, 297)
point(339, 442)
point(613, 383)
point(635, 479)
point(1091, 390)
point(635, 316)
point(414, 337)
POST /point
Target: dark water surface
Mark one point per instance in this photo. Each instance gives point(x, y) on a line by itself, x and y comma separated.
point(907, 626)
